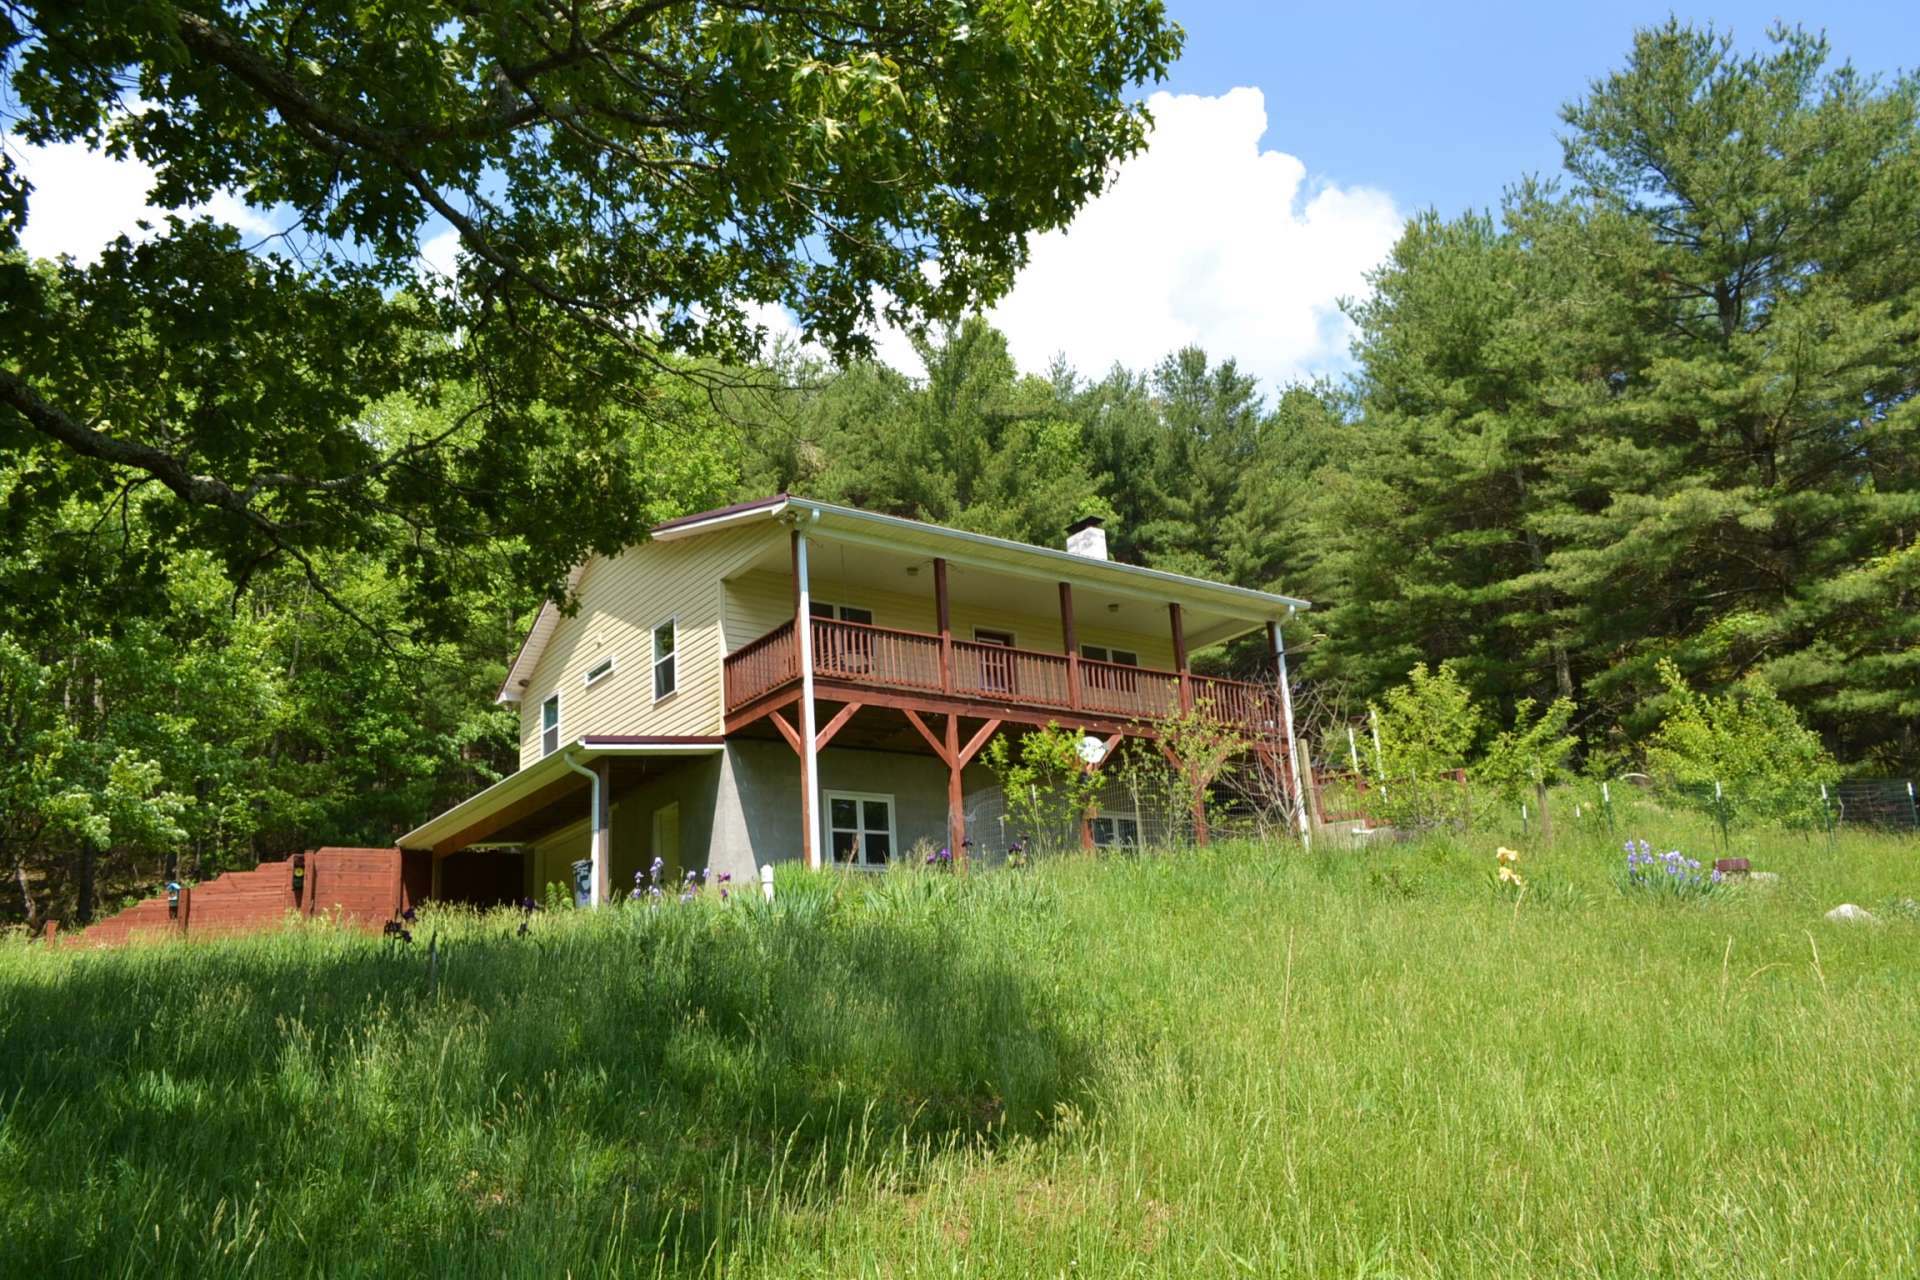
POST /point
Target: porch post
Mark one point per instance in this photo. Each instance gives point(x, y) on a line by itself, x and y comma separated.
point(956, 802)
point(809, 751)
point(1279, 648)
point(1072, 644)
point(1180, 657)
point(943, 611)
point(602, 831)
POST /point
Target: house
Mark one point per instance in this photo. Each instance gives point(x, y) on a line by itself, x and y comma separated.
point(792, 679)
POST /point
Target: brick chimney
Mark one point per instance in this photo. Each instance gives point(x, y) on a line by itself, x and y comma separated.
point(1088, 537)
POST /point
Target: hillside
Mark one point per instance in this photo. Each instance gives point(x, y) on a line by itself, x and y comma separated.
point(1228, 1060)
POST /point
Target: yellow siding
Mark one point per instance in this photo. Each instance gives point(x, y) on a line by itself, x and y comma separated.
point(757, 602)
point(622, 598)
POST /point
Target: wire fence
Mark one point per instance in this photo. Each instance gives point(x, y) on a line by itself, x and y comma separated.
point(1125, 816)
point(1356, 806)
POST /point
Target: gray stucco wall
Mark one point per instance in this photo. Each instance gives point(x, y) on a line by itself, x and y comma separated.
point(757, 801)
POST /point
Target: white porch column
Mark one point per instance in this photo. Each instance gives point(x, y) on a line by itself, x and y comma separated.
point(809, 757)
point(1286, 716)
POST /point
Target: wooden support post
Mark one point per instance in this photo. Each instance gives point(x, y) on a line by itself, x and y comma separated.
point(52, 934)
point(956, 802)
point(1180, 657)
point(944, 613)
point(1071, 641)
point(184, 920)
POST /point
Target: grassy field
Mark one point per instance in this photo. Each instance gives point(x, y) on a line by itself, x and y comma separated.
point(1239, 1061)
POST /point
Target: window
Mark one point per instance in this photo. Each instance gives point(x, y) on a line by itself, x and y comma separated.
point(600, 671)
point(860, 828)
point(844, 612)
point(665, 679)
point(550, 725)
point(837, 651)
point(1119, 657)
point(1116, 830)
point(996, 669)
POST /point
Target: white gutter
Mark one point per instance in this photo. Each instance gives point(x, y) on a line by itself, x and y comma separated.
point(711, 523)
point(1086, 565)
point(597, 891)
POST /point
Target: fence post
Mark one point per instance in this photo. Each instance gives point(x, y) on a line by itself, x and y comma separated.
point(1523, 819)
point(1606, 802)
point(1720, 815)
point(1913, 807)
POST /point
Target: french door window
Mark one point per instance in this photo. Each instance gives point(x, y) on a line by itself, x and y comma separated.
point(860, 828)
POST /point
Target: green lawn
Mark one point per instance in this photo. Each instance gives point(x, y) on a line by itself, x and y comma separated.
point(1242, 1061)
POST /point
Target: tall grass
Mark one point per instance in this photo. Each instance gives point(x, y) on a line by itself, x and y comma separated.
point(1237, 1061)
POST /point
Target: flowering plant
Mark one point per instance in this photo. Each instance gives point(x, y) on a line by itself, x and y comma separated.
point(1671, 873)
point(1017, 854)
point(1508, 863)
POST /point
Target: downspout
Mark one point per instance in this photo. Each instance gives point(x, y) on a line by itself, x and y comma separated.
point(599, 836)
point(809, 756)
point(1286, 715)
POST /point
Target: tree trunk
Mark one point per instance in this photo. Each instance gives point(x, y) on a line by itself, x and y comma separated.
point(1546, 819)
point(83, 908)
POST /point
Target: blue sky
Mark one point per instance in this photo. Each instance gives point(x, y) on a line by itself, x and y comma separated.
point(1444, 105)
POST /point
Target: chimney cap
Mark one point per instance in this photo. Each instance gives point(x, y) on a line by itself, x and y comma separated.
point(1086, 522)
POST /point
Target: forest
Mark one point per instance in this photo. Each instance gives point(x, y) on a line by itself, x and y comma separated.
point(1662, 407)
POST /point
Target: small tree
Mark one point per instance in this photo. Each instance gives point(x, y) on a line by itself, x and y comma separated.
point(1047, 784)
point(1744, 753)
point(1427, 731)
point(1531, 756)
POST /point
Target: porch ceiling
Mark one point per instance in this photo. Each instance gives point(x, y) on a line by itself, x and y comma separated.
point(547, 796)
point(908, 570)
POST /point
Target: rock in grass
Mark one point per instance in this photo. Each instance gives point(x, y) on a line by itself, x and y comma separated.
point(1848, 913)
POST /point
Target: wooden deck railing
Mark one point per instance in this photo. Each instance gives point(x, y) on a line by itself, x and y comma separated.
point(1137, 693)
point(876, 655)
point(762, 665)
point(886, 658)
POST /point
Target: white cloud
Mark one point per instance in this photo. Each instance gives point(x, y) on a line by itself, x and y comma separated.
point(1202, 238)
point(83, 199)
point(440, 254)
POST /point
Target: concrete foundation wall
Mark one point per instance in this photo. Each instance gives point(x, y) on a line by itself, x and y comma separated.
point(757, 820)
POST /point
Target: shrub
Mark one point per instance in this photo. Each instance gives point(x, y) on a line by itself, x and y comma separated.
point(1744, 754)
point(1427, 730)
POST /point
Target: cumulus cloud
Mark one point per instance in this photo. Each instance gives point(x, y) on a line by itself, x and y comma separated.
point(83, 199)
point(1203, 238)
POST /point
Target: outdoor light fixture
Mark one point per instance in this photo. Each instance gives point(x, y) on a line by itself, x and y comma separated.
point(913, 571)
point(299, 873)
point(1114, 607)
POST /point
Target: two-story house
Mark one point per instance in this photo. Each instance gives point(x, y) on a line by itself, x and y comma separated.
point(791, 679)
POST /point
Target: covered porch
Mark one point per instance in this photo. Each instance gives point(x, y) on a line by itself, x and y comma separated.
point(616, 803)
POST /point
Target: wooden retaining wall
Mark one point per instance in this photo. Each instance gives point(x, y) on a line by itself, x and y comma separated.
point(365, 887)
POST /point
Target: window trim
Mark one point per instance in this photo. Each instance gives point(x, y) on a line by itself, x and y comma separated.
point(653, 640)
point(1013, 637)
point(1117, 816)
point(599, 671)
point(860, 845)
point(551, 700)
point(835, 612)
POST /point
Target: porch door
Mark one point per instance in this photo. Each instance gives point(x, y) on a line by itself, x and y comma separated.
point(996, 669)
